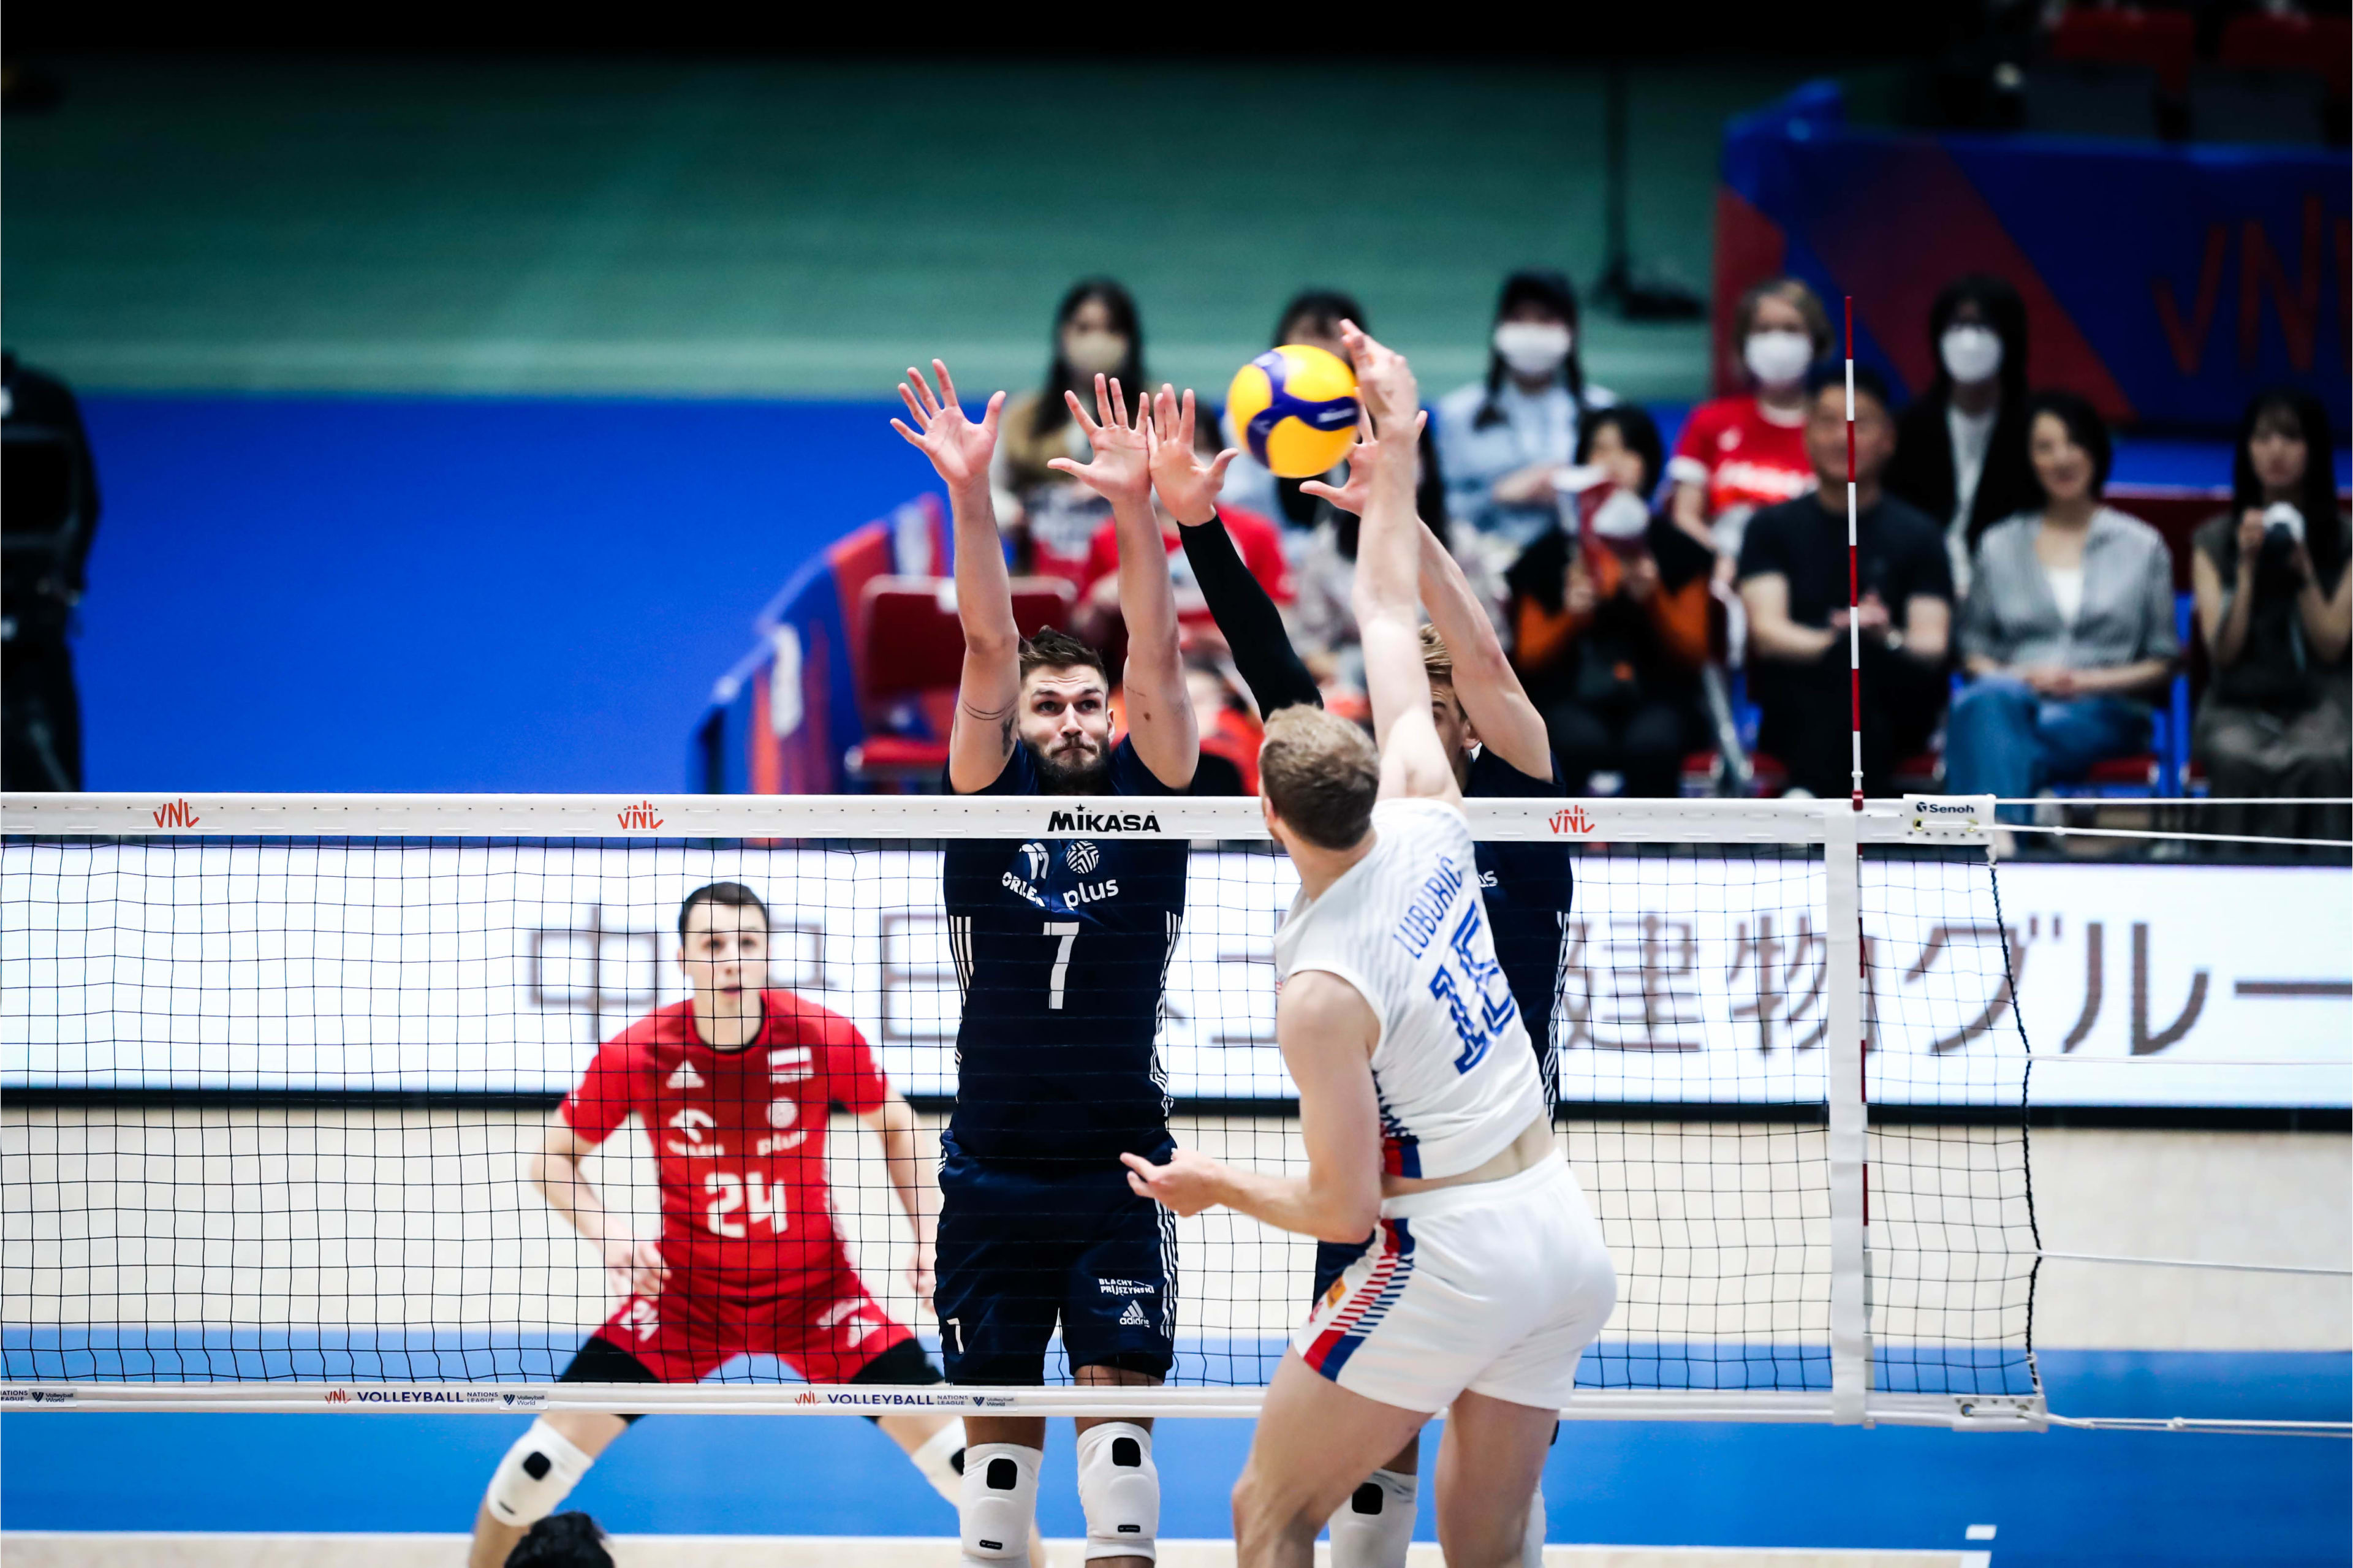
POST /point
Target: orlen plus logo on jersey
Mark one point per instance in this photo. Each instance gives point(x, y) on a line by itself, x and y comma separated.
point(176, 814)
point(1573, 820)
point(643, 817)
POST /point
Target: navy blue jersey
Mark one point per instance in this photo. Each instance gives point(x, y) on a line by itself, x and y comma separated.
point(1061, 946)
point(1527, 887)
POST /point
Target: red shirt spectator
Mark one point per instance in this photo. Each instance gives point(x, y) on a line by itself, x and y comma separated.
point(1257, 539)
point(1744, 455)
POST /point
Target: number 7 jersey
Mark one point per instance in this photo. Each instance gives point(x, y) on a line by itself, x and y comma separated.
point(1406, 926)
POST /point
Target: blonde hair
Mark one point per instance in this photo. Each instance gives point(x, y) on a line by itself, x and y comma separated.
point(1436, 661)
point(1321, 774)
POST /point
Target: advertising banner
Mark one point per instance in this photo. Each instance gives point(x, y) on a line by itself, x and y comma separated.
point(1695, 974)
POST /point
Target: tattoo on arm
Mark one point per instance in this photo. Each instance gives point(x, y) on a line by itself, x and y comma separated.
point(1002, 718)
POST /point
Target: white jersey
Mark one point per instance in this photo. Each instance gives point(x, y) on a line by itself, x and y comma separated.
point(1406, 928)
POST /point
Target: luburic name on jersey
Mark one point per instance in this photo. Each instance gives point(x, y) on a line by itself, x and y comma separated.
point(1429, 900)
point(1107, 822)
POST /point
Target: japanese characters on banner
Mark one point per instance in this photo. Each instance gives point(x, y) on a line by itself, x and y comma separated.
point(1689, 973)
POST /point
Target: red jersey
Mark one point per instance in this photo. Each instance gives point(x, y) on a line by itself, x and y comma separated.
point(1744, 456)
point(1256, 539)
point(738, 1136)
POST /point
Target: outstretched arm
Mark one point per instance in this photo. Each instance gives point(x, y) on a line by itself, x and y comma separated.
point(1327, 1033)
point(1159, 713)
point(1498, 705)
point(988, 696)
point(1237, 601)
point(1389, 563)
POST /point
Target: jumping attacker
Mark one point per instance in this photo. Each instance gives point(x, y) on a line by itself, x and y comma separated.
point(1061, 942)
point(734, 1086)
point(1497, 742)
point(1419, 1105)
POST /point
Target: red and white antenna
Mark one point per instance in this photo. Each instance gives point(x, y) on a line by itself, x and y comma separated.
point(1853, 577)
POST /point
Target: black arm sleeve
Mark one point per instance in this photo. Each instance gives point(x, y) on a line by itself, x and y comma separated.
point(1270, 666)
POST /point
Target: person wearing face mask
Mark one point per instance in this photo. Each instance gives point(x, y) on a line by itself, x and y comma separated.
point(1960, 448)
point(1748, 450)
point(1502, 441)
point(2275, 607)
point(1609, 612)
point(2068, 631)
point(1050, 520)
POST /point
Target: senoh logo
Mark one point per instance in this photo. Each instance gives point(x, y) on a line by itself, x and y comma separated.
point(642, 818)
point(339, 1396)
point(176, 814)
point(1572, 820)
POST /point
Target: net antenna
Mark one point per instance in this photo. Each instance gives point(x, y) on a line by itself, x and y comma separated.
point(1853, 577)
point(275, 1067)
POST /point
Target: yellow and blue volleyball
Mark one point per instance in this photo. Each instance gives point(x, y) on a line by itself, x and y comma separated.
point(1295, 410)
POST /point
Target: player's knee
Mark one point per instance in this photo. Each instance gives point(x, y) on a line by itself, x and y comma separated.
point(997, 1497)
point(1374, 1529)
point(1265, 1511)
point(537, 1473)
point(1119, 1488)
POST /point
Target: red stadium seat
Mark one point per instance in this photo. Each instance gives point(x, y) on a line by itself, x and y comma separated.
point(910, 657)
point(2303, 46)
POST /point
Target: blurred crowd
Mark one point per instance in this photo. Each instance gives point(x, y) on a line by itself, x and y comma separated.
point(1682, 615)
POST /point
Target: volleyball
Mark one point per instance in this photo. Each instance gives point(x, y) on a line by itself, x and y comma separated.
point(1296, 408)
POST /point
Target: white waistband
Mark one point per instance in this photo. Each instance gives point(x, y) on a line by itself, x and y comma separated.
point(1476, 1195)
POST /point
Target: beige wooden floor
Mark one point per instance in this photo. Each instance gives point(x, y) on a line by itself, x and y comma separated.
point(23, 1549)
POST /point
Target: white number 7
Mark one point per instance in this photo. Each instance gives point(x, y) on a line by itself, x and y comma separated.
point(1068, 932)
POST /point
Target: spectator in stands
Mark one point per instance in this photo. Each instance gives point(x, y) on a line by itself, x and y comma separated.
point(2068, 630)
point(1749, 450)
point(2275, 607)
point(1314, 317)
point(1611, 622)
point(1231, 729)
point(1960, 448)
point(1050, 518)
point(1503, 440)
point(1793, 581)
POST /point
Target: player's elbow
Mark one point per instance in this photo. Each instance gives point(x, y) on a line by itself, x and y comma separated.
point(1349, 1217)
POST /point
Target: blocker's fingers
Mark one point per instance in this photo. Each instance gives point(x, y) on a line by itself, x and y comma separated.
point(1119, 407)
point(915, 409)
point(1087, 427)
point(901, 426)
point(947, 382)
point(928, 403)
point(1067, 465)
point(989, 417)
point(1218, 464)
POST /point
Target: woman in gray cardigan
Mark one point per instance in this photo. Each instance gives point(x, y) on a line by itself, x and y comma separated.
point(2068, 630)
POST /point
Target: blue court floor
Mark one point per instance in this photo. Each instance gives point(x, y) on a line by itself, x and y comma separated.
point(2060, 1497)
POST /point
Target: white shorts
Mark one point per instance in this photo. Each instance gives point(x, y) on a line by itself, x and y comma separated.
point(1497, 1287)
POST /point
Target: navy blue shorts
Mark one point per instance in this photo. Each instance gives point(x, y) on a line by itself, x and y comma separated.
point(1020, 1250)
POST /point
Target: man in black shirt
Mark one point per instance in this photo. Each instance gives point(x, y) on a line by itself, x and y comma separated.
point(1793, 581)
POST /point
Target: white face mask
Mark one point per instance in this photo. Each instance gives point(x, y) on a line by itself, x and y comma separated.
point(1777, 358)
point(1533, 348)
point(1971, 353)
point(1094, 354)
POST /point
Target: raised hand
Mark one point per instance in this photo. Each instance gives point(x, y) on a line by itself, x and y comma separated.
point(1121, 470)
point(1384, 382)
point(1188, 487)
point(1364, 460)
point(958, 448)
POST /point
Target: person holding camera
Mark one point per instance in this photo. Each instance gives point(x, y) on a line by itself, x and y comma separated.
point(2275, 607)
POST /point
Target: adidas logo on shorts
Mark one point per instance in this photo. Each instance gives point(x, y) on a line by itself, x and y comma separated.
point(1133, 1317)
point(686, 1077)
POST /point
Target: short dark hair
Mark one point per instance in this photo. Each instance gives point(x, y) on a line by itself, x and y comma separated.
point(1324, 307)
point(2084, 427)
point(729, 895)
point(1828, 373)
point(1053, 648)
point(562, 1540)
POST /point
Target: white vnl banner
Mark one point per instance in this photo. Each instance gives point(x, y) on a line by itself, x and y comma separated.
point(1686, 977)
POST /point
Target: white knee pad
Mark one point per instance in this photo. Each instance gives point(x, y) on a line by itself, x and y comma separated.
point(940, 1459)
point(997, 1497)
point(1119, 1488)
point(1532, 1543)
point(1374, 1529)
point(538, 1472)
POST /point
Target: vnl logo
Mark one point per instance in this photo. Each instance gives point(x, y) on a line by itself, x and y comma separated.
point(1572, 820)
point(339, 1396)
point(640, 816)
point(176, 814)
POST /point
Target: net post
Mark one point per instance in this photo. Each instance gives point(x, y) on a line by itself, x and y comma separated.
point(1848, 1135)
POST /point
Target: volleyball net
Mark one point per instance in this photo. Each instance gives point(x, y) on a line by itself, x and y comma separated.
point(273, 1071)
